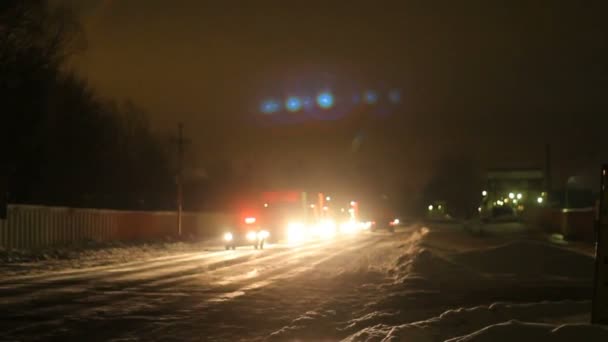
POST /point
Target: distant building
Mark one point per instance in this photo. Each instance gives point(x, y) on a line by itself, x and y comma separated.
point(512, 190)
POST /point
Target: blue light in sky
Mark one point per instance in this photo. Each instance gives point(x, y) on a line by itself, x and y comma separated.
point(370, 97)
point(325, 100)
point(293, 104)
point(270, 106)
point(394, 96)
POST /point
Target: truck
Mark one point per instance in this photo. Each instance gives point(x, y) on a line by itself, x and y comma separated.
point(273, 216)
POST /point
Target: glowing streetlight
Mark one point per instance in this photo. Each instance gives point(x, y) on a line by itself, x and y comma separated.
point(431, 207)
point(519, 196)
point(539, 200)
point(484, 193)
point(511, 195)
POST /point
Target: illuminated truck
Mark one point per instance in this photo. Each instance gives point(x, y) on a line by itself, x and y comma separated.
point(291, 215)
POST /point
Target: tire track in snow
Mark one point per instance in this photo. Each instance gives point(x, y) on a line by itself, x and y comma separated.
point(113, 298)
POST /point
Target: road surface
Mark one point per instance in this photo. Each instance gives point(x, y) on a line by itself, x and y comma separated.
point(213, 295)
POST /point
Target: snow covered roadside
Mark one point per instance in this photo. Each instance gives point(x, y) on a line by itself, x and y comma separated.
point(89, 254)
point(527, 290)
point(444, 284)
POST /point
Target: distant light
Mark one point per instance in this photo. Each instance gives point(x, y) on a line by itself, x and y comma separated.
point(312, 206)
point(431, 207)
point(500, 203)
point(539, 200)
point(325, 208)
point(370, 97)
point(479, 209)
point(484, 193)
point(325, 100)
point(328, 198)
point(439, 207)
point(250, 220)
point(506, 200)
point(270, 106)
point(519, 196)
point(394, 96)
point(353, 203)
point(351, 210)
point(293, 104)
point(511, 195)
point(514, 201)
point(342, 210)
point(265, 205)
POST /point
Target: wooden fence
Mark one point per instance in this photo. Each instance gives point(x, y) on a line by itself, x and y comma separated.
point(29, 226)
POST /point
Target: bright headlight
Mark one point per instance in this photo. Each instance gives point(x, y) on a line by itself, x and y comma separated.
point(263, 234)
point(252, 236)
point(228, 236)
point(348, 227)
point(295, 232)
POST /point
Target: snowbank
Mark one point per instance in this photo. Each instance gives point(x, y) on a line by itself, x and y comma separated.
point(524, 332)
point(462, 321)
point(523, 274)
point(88, 254)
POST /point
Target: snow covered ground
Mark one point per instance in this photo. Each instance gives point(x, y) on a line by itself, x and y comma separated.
point(420, 284)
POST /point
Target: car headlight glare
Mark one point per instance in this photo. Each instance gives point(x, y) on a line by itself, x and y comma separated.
point(251, 236)
point(228, 237)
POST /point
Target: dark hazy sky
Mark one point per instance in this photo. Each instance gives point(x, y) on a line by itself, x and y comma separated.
point(493, 80)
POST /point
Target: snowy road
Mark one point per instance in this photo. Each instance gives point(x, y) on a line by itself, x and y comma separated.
point(418, 284)
point(209, 295)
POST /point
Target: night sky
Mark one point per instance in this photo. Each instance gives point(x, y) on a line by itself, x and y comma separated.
point(493, 81)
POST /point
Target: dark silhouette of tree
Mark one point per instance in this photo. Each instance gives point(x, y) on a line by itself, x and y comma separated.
point(63, 144)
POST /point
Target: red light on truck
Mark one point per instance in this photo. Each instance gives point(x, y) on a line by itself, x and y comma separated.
point(250, 220)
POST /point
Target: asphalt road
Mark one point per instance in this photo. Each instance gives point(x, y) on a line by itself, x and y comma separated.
point(218, 295)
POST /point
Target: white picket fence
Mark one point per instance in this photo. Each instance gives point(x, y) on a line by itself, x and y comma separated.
point(29, 226)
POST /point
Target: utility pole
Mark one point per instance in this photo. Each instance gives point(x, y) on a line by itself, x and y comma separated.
point(548, 180)
point(179, 176)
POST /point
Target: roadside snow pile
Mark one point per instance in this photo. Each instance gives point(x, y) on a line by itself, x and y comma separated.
point(524, 332)
point(88, 254)
point(302, 326)
point(463, 321)
point(426, 266)
point(429, 278)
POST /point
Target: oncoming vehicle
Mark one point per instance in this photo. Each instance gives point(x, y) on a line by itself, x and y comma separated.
point(248, 232)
